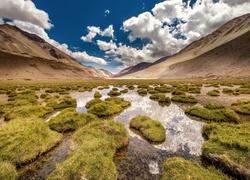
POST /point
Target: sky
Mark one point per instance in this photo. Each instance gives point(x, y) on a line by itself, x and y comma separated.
point(116, 34)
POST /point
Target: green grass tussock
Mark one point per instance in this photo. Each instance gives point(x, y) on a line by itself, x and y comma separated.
point(241, 106)
point(213, 113)
point(157, 96)
point(7, 171)
point(22, 140)
point(108, 107)
point(152, 130)
point(92, 149)
point(178, 168)
point(142, 91)
point(57, 102)
point(214, 92)
point(228, 145)
point(184, 99)
point(97, 95)
point(114, 93)
point(24, 105)
point(69, 120)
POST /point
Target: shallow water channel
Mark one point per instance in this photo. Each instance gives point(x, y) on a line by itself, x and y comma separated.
point(142, 160)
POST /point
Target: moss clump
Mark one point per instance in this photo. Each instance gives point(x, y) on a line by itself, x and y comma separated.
point(178, 92)
point(97, 95)
point(124, 91)
point(69, 120)
point(227, 91)
point(242, 90)
point(214, 92)
point(57, 102)
point(114, 93)
point(241, 106)
point(184, 99)
point(92, 149)
point(92, 102)
point(164, 89)
point(22, 140)
point(7, 171)
point(24, 105)
point(228, 145)
point(157, 96)
point(108, 107)
point(150, 129)
point(142, 91)
point(213, 114)
point(119, 101)
point(178, 168)
point(105, 109)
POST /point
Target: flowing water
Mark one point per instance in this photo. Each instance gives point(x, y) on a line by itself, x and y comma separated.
point(142, 160)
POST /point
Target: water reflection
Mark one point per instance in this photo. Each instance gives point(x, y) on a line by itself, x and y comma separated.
point(183, 135)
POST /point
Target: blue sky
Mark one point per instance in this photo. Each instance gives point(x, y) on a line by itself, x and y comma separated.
point(117, 34)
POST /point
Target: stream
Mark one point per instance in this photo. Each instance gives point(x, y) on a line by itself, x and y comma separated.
point(140, 159)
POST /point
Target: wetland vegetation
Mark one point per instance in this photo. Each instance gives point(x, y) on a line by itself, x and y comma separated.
point(26, 132)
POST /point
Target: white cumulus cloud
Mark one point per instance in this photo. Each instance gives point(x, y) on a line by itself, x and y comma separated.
point(24, 11)
point(93, 31)
point(106, 45)
point(85, 57)
point(172, 24)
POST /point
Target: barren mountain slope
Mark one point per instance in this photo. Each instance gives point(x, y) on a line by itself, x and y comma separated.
point(27, 56)
point(229, 32)
point(101, 73)
point(138, 67)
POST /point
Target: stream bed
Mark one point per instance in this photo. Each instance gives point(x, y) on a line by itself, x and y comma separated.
point(142, 160)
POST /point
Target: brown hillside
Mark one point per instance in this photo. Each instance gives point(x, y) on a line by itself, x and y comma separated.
point(223, 54)
point(27, 56)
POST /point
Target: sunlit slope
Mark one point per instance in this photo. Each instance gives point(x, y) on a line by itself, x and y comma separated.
point(222, 54)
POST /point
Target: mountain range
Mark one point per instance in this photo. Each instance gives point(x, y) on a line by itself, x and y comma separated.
point(27, 56)
point(225, 53)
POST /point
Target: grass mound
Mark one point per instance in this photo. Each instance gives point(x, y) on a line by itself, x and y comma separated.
point(179, 168)
point(142, 91)
point(7, 171)
point(118, 101)
point(97, 95)
point(214, 92)
point(157, 96)
point(57, 102)
point(92, 103)
point(241, 106)
point(69, 120)
point(22, 140)
point(23, 105)
point(184, 99)
point(92, 149)
point(108, 107)
point(228, 145)
point(150, 129)
point(213, 113)
point(114, 93)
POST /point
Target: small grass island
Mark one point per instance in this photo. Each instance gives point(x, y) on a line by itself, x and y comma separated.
point(152, 130)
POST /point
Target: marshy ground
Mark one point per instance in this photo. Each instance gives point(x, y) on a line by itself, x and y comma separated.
point(206, 118)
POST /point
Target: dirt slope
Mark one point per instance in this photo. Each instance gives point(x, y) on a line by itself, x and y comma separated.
point(222, 54)
point(27, 56)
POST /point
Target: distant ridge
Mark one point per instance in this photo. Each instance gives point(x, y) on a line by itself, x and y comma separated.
point(138, 67)
point(101, 73)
